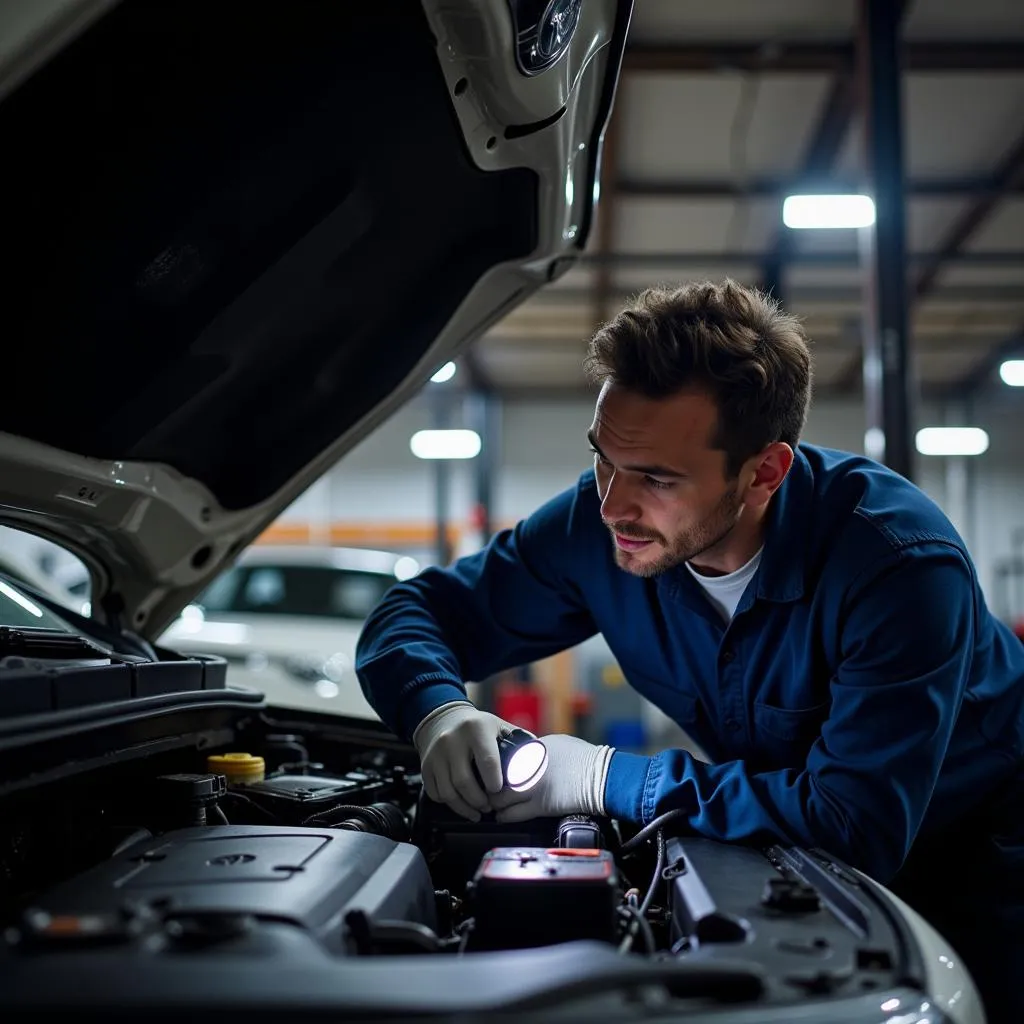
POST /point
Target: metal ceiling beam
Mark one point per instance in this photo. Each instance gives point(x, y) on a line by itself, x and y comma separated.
point(568, 393)
point(989, 294)
point(816, 58)
point(640, 260)
point(1009, 177)
point(827, 342)
point(982, 371)
point(777, 187)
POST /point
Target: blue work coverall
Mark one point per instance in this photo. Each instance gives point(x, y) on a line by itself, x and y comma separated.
point(863, 699)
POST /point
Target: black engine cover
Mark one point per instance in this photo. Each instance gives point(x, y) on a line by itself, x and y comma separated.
point(226, 884)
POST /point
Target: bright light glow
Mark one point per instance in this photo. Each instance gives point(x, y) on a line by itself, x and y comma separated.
point(326, 688)
point(445, 444)
point(889, 1005)
point(828, 211)
point(406, 567)
point(874, 443)
point(20, 599)
point(444, 374)
point(336, 667)
point(1012, 372)
point(952, 441)
point(526, 766)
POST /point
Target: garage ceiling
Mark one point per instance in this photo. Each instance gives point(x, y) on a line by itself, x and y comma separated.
point(723, 109)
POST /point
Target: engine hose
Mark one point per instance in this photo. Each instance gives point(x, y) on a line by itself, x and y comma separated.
point(648, 830)
point(656, 879)
point(636, 924)
point(380, 819)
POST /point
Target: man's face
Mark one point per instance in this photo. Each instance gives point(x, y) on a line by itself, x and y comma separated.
point(664, 492)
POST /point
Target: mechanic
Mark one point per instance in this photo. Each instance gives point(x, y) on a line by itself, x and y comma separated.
point(810, 618)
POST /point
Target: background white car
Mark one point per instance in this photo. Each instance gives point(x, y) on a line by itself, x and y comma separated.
point(287, 620)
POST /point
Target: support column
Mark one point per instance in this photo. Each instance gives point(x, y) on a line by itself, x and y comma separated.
point(483, 414)
point(888, 375)
point(441, 409)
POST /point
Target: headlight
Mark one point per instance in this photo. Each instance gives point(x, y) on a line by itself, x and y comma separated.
point(543, 31)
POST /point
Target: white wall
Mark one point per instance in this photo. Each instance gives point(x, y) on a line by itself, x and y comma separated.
point(544, 448)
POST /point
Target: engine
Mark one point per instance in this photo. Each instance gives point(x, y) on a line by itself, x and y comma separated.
point(273, 851)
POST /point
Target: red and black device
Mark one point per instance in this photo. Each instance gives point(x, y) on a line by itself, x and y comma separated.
point(531, 896)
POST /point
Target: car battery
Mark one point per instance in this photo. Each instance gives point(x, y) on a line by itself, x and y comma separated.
point(531, 896)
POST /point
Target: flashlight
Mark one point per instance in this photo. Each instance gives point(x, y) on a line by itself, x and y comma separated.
point(524, 759)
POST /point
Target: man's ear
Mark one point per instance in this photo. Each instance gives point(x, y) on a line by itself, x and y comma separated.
point(765, 473)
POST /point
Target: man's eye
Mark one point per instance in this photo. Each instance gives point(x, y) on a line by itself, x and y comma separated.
point(658, 485)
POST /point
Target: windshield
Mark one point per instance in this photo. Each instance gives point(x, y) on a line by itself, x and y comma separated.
point(19, 610)
point(305, 590)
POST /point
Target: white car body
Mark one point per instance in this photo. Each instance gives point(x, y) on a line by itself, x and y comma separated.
point(23, 569)
point(297, 650)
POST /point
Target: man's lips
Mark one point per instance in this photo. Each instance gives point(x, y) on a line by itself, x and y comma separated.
point(630, 543)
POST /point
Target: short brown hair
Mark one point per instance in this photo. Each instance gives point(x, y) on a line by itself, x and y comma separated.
point(734, 343)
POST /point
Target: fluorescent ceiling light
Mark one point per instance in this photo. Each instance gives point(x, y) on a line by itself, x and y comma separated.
point(1012, 372)
point(952, 441)
point(828, 211)
point(445, 444)
point(444, 374)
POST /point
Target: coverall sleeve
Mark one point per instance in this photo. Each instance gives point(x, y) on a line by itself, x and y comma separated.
point(512, 603)
point(871, 772)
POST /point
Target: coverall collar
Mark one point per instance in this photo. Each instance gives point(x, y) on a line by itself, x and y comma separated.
point(784, 561)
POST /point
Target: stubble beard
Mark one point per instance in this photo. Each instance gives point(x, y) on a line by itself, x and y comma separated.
point(686, 546)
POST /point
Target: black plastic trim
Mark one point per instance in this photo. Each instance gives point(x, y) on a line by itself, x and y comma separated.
point(520, 131)
point(24, 731)
point(85, 741)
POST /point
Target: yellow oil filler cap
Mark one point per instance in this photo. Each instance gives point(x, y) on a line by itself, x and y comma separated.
point(239, 769)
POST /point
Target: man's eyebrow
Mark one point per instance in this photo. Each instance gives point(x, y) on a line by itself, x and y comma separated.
point(663, 471)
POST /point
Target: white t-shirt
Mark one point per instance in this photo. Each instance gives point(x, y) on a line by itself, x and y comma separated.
point(724, 592)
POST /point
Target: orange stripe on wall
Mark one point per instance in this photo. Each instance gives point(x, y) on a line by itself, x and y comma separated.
point(361, 534)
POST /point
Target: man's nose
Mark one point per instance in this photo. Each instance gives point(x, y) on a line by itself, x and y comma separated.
point(618, 504)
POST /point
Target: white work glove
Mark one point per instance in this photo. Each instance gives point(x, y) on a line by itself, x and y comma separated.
point(450, 740)
point(573, 783)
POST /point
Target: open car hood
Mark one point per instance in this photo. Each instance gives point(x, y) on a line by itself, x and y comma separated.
point(244, 236)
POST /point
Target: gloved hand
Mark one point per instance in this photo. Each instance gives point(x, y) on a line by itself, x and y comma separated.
point(450, 740)
point(573, 783)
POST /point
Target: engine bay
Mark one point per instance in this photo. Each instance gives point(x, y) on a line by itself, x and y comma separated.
point(310, 850)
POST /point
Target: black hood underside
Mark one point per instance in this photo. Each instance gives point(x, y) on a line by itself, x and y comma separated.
point(234, 229)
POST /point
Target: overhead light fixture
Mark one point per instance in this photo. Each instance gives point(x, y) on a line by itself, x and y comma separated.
point(952, 441)
point(1012, 373)
point(842, 211)
point(445, 444)
point(444, 375)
